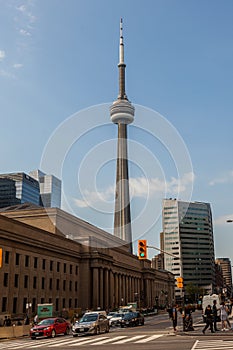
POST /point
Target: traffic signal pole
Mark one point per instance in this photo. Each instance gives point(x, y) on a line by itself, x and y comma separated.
point(161, 250)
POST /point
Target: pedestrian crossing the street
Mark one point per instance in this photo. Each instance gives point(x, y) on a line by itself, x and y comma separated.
point(71, 343)
point(213, 344)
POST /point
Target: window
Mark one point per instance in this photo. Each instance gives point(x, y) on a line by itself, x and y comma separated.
point(50, 283)
point(34, 282)
point(57, 304)
point(64, 285)
point(63, 303)
point(14, 305)
point(64, 267)
point(43, 264)
point(76, 270)
point(16, 280)
point(35, 262)
point(70, 303)
point(5, 280)
point(70, 286)
point(58, 266)
point(26, 260)
point(7, 255)
point(76, 286)
point(75, 302)
point(58, 284)
point(71, 269)
point(24, 305)
point(17, 259)
point(4, 304)
point(51, 266)
point(42, 283)
point(25, 281)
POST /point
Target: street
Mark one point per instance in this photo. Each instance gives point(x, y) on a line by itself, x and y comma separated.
point(157, 334)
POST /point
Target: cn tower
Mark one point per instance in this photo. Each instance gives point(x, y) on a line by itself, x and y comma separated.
point(122, 114)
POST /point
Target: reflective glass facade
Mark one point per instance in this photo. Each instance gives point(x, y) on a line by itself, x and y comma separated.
point(18, 188)
point(188, 234)
point(50, 189)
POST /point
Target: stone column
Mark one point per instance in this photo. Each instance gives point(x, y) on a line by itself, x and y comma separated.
point(95, 298)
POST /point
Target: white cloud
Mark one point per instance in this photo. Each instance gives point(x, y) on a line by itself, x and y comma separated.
point(224, 179)
point(17, 65)
point(24, 32)
point(2, 55)
point(140, 187)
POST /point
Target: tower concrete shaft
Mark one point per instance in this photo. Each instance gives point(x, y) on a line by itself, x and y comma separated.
point(122, 113)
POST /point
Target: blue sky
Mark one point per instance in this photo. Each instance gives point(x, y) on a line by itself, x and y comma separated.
point(58, 59)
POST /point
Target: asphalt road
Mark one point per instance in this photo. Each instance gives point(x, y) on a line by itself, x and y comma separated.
point(156, 334)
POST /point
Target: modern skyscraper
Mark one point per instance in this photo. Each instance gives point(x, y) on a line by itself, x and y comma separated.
point(188, 234)
point(225, 264)
point(50, 189)
point(122, 114)
point(18, 188)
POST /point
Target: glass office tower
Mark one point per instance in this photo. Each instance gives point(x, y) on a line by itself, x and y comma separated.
point(188, 235)
point(18, 188)
point(50, 189)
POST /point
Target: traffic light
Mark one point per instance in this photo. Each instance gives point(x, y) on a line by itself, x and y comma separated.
point(142, 249)
point(179, 282)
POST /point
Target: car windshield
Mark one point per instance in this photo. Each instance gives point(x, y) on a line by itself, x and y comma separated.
point(46, 322)
point(118, 315)
point(128, 315)
point(89, 318)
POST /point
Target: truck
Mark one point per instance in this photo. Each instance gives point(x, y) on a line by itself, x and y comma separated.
point(209, 300)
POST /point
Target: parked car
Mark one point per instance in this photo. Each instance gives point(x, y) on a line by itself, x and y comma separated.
point(131, 319)
point(50, 327)
point(110, 314)
point(115, 319)
point(91, 323)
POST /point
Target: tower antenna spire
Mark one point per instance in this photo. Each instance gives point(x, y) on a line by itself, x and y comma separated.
point(121, 65)
point(122, 114)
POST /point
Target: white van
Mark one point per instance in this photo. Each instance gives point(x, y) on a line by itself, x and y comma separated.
point(209, 300)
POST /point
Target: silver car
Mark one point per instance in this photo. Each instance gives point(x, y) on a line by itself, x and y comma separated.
point(91, 323)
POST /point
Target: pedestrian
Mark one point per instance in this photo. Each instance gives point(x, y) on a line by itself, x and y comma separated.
point(224, 317)
point(215, 315)
point(173, 316)
point(208, 315)
point(36, 319)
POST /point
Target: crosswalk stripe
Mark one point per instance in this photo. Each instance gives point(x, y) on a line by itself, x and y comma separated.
point(149, 338)
point(69, 342)
point(213, 345)
point(128, 339)
point(109, 340)
point(86, 341)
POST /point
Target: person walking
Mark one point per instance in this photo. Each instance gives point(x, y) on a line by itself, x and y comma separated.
point(173, 316)
point(208, 315)
point(224, 317)
point(215, 315)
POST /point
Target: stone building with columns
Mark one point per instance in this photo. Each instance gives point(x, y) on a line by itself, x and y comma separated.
point(51, 256)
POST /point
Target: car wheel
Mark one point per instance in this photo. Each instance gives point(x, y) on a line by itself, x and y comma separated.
point(53, 334)
point(67, 332)
point(33, 338)
point(107, 329)
point(142, 323)
point(75, 335)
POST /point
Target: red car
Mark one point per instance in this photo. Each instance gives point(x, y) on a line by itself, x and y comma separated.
point(50, 327)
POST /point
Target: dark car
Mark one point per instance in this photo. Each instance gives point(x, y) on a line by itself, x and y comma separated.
point(50, 327)
point(91, 323)
point(131, 319)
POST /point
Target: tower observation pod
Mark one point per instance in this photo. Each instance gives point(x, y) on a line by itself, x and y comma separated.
point(122, 114)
